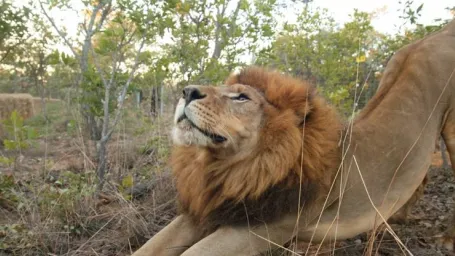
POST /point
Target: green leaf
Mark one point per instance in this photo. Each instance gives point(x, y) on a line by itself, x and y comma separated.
point(31, 133)
point(127, 181)
point(6, 160)
point(419, 8)
point(9, 144)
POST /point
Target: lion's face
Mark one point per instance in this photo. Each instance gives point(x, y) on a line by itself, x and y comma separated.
point(218, 117)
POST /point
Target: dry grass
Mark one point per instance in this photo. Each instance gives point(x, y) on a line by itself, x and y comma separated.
point(21, 102)
point(64, 220)
point(48, 206)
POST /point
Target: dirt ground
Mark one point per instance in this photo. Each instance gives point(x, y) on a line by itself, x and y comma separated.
point(428, 220)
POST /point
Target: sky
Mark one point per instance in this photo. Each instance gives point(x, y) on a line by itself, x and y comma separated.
point(389, 21)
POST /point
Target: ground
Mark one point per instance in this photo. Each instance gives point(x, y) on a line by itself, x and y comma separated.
point(48, 207)
point(427, 222)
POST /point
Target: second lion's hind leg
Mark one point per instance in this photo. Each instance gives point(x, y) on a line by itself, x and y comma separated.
point(403, 214)
point(448, 134)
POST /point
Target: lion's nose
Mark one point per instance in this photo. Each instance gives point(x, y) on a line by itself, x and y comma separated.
point(191, 93)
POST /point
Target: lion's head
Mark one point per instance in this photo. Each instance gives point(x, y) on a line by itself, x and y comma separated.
point(237, 142)
point(225, 117)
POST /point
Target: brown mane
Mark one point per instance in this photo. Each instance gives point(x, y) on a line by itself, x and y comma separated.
point(207, 183)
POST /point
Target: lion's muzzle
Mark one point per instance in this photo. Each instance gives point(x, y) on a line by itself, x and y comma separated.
point(191, 124)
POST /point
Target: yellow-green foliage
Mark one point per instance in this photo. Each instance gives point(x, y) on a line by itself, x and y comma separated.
point(18, 135)
point(21, 102)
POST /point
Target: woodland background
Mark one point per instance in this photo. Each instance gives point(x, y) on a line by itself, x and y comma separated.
point(85, 173)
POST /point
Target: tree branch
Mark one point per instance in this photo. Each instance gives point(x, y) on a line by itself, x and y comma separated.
point(103, 16)
point(90, 32)
point(218, 38)
point(62, 35)
point(10, 48)
point(99, 70)
point(108, 134)
point(233, 24)
point(88, 37)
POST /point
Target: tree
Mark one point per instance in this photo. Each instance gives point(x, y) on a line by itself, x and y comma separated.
point(29, 59)
point(210, 36)
point(332, 58)
point(204, 41)
point(114, 36)
point(13, 27)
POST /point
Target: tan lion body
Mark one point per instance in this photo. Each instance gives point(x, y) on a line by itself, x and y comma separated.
point(384, 156)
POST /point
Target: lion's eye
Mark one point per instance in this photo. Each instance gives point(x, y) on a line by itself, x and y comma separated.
point(241, 97)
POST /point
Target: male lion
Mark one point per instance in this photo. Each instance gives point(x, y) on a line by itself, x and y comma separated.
point(264, 159)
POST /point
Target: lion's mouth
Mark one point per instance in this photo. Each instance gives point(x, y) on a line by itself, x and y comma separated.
point(214, 137)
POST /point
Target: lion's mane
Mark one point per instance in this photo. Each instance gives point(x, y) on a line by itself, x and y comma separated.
point(298, 145)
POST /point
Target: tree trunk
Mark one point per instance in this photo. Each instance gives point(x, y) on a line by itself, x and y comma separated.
point(161, 99)
point(155, 101)
point(92, 127)
point(42, 89)
point(158, 100)
point(101, 169)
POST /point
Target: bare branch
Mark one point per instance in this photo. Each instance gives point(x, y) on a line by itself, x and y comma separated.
point(233, 24)
point(219, 39)
point(116, 61)
point(108, 134)
point(196, 20)
point(99, 69)
point(115, 64)
point(104, 14)
point(89, 30)
point(6, 54)
point(107, 88)
point(62, 35)
point(88, 37)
